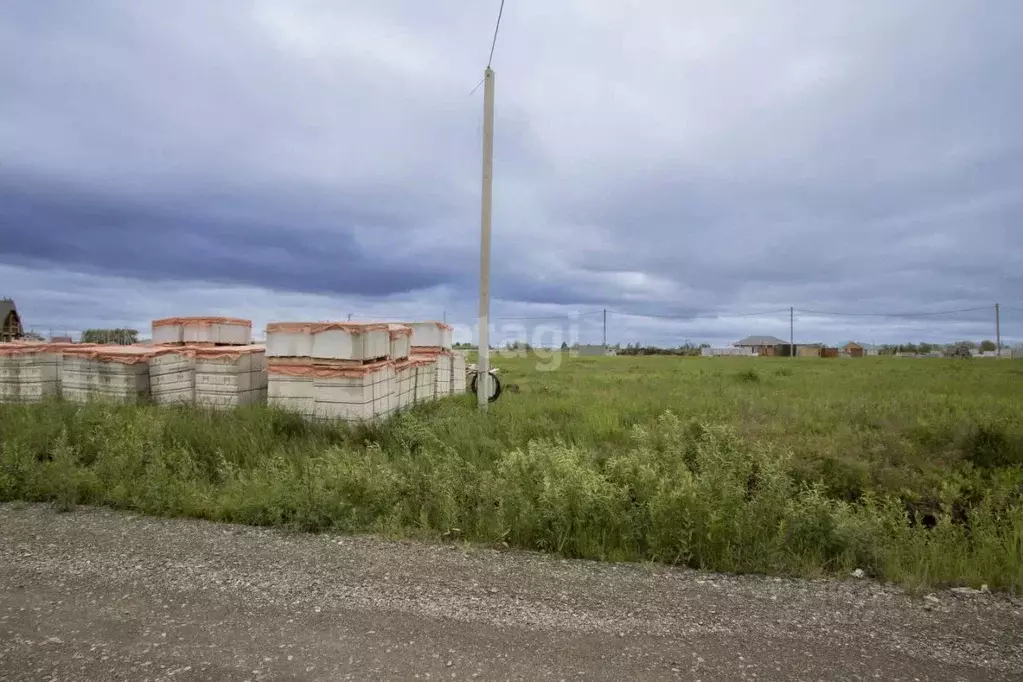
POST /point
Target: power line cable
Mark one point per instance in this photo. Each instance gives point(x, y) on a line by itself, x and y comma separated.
point(497, 27)
point(566, 316)
point(700, 317)
point(925, 314)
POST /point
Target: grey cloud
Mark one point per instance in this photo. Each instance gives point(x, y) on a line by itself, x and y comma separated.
point(656, 158)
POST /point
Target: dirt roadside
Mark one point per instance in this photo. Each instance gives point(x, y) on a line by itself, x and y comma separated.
point(102, 595)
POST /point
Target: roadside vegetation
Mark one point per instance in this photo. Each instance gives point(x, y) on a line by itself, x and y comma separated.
point(911, 470)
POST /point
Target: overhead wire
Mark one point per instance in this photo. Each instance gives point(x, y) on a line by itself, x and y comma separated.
point(700, 316)
point(497, 27)
point(920, 314)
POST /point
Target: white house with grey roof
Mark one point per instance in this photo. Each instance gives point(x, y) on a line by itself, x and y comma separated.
point(762, 345)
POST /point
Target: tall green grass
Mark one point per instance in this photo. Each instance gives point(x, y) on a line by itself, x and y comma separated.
point(910, 470)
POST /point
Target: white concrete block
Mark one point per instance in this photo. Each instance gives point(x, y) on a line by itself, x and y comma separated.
point(401, 340)
point(458, 382)
point(205, 330)
point(430, 335)
point(328, 340)
point(172, 378)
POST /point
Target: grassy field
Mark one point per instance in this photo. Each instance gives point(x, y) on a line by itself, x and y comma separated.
point(909, 469)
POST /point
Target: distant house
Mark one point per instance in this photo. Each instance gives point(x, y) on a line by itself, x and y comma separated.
point(764, 345)
point(871, 349)
point(10, 323)
point(809, 350)
point(61, 339)
point(853, 350)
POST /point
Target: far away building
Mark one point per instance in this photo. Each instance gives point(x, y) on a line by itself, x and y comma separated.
point(10, 323)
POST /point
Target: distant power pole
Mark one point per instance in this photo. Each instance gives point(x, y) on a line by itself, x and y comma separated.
point(605, 327)
point(998, 331)
point(792, 334)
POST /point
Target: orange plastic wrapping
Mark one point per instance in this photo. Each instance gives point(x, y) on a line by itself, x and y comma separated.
point(397, 330)
point(16, 348)
point(209, 352)
point(127, 355)
point(305, 368)
point(204, 321)
point(316, 327)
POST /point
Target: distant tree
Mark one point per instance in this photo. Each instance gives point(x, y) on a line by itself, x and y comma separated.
point(123, 337)
point(988, 345)
point(564, 345)
point(925, 347)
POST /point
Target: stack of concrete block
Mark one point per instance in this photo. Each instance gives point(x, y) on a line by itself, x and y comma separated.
point(29, 372)
point(220, 377)
point(346, 341)
point(334, 371)
point(116, 373)
point(443, 379)
point(404, 384)
point(430, 336)
point(172, 377)
point(425, 378)
point(229, 377)
point(457, 372)
point(215, 331)
point(401, 340)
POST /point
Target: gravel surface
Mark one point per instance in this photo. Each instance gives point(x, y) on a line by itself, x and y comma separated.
point(103, 595)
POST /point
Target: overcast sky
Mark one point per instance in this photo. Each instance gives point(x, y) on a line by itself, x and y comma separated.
point(311, 159)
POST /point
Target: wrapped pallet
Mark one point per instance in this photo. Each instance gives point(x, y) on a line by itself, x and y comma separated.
point(116, 373)
point(457, 372)
point(404, 384)
point(424, 377)
point(227, 377)
point(401, 340)
point(348, 341)
point(172, 377)
point(430, 335)
point(212, 331)
point(220, 377)
point(333, 391)
point(29, 372)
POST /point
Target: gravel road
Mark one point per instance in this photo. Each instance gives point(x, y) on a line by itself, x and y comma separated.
point(102, 595)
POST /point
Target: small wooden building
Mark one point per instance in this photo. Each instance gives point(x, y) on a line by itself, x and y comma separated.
point(853, 349)
point(10, 323)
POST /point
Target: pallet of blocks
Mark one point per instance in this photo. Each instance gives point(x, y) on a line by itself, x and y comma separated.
point(191, 331)
point(431, 335)
point(332, 371)
point(116, 373)
point(230, 376)
point(458, 372)
point(424, 378)
point(220, 377)
point(29, 372)
point(401, 340)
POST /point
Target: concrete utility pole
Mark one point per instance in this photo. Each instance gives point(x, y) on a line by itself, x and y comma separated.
point(998, 331)
point(792, 335)
point(483, 363)
point(605, 328)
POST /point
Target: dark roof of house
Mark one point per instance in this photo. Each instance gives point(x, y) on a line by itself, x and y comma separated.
point(6, 306)
point(761, 341)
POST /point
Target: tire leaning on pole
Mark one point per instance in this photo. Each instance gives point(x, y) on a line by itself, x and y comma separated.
point(495, 386)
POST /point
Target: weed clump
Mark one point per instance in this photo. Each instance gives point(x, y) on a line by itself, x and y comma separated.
point(748, 376)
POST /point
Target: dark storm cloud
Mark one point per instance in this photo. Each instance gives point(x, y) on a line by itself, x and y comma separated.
point(288, 247)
